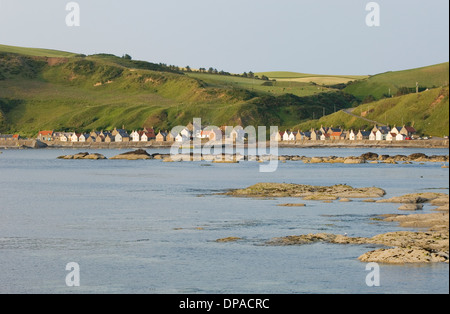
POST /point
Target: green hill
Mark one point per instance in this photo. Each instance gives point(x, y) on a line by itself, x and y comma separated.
point(387, 84)
point(284, 76)
point(427, 112)
point(36, 52)
point(45, 89)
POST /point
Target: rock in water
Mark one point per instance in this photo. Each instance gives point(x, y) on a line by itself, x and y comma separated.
point(135, 155)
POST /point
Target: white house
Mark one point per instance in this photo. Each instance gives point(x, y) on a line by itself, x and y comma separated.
point(292, 136)
point(373, 136)
point(65, 137)
point(181, 138)
point(186, 133)
point(74, 137)
point(352, 136)
point(400, 137)
point(380, 136)
point(286, 136)
point(135, 136)
point(390, 136)
point(83, 137)
point(237, 134)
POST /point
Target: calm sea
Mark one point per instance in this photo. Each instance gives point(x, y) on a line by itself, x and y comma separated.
point(150, 227)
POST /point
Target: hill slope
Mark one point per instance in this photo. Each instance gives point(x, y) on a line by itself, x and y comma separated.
point(41, 89)
point(427, 111)
point(284, 76)
point(379, 85)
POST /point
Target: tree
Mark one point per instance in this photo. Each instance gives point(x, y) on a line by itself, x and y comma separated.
point(251, 74)
point(188, 69)
point(210, 70)
point(127, 57)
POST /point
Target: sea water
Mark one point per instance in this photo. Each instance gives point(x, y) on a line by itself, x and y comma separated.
point(151, 227)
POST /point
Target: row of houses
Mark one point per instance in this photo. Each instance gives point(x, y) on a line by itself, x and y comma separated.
point(120, 135)
point(378, 133)
point(10, 137)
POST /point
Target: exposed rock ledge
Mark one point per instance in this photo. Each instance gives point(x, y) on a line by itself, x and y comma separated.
point(402, 247)
point(83, 156)
point(134, 155)
point(307, 192)
point(430, 246)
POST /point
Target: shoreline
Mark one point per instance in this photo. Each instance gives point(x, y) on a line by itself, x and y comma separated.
point(36, 144)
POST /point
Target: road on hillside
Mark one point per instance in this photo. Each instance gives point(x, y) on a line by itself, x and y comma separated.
point(350, 112)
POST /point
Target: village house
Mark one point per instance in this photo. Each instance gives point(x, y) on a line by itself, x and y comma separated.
point(161, 137)
point(170, 137)
point(237, 134)
point(325, 137)
point(109, 138)
point(334, 131)
point(215, 135)
point(363, 135)
point(45, 136)
point(65, 137)
point(181, 138)
point(373, 135)
point(408, 131)
point(122, 136)
point(74, 137)
point(186, 133)
point(146, 136)
point(286, 136)
point(351, 136)
point(83, 138)
point(336, 135)
point(135, 136)
point(277, 137)
point(315, 135)
point(6, 137)
point(391, 136)
point(292, 136)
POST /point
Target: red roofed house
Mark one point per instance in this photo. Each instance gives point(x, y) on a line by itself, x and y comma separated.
point(46, 136)
point(336, 135)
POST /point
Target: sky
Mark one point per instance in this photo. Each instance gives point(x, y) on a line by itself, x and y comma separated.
point(307, 36)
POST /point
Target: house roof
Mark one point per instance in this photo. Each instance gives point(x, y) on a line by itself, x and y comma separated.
point(45, 133)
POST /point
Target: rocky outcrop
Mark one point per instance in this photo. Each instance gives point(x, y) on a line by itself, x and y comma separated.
point(134, 155)
point(401, 247)
point(406, 246)
point(307, 192)
point(84, 156)
point(415, 198)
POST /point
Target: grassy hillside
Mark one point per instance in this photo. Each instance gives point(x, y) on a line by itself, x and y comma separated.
point(48, 89)
point(36, 52)
point(103, 91)
point(276, 88)
point(284, 76)
point(379, 85)
point(427, 111)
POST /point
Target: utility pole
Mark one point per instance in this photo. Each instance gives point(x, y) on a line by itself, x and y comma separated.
point(417, 87)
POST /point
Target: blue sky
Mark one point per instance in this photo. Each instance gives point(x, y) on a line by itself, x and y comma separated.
point(310, 36)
